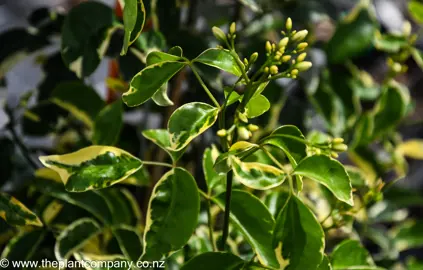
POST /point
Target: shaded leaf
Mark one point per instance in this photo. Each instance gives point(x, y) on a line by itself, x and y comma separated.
point(221, 59)
point(23, 246)
point(253, 219)
point(160, 57)
point(93, 167)
point(325, 264)
point(189, 121)
point(149, 80)
point(74, 236)
point(212, 177)
point(328, 172)
point(172, 214)
point(129, 241)
point(134, 15)
point(213, 261)
point(408, 235)
point(298, 237)
point(108, 124)
point(252, 4)
point(161, 98)
point(15, 213)
point(107, 261)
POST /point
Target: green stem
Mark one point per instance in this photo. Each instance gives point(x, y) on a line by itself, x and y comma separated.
point(204, 86)
point(154, 163)
point(210, 222)
point(240, 65)
point(226, 217)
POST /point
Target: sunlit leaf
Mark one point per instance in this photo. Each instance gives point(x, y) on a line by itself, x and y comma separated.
point(350, 253)
point(328, 172)
point(172, 214)
point(239, 149)
point(257, 106)
point(161, 137)
point(93, 167)
point(416, 10)
point(221, 59)
point(189, 121)
point(212, 177)
point(411, 149)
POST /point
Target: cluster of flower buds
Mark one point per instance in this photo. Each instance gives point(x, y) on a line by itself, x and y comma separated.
point(227, 39)
point(330, 148)
point(241, 126)
point(289, 50)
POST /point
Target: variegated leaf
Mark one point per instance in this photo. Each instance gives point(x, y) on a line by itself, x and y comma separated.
point(221, 59)
point(134, 15)
point(161, 137)
point(15, 213)
point(93, 167)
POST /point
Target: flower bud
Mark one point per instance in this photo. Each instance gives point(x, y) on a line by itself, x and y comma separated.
point(245, 61)
point(274, 70)
point(266, 70)
point(288, 24)
point(232, 28)
point(286, 58)
point(242, 117)
point(337, 140)
point(397, 67)
point(301, 57)
point(243, 133)
point(340, 147)
point(222, 133)
point(253, 58)
point(219, 34)
point(268, 47)
point(406, 28)
point(334, 155)
point(300, 36)
point(294, 72)
point(303, 66)
point(283, 42)
point(252, 127)
point(302, 46)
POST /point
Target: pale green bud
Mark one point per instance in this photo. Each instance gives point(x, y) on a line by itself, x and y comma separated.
point(334, 155)
point(253, 58)
point(219, 34)
point(337, 140)
point(252, 127)
point(406, 28)
point(288, 24)
point(274, 70)
point(232, 28)
point(243, 133)
point(340, 147)
point(397, 67)
point(300, 36)
point(286, 58)
point(303, 66)
point(268, 47)
point(294, 72)
point(301, 57)
point(222, 133)
point(283, 42)
point(245, 61)
point(266, 70)
point(242, 117)
point(274, 47)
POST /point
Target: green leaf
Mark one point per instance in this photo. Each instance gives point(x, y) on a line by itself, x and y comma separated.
point(160, 57)
point(328, 172)
point(416, 10)
point(161, 98)
point(74, 236)
point(350, 253)
point(93, 167)
point(151, 41)
point(86, 33)
point(325, 264)
point(298, 237)
point(104, 262)
point(391, 108)
point(214, 261)
point(252, 4)
point(161, 137)
point(122, 205)
point(221, 59)
point(252, 218)
point(257, 175)
point(80, 100)
point(133, 19)
point(408, 235)
point(391, 43)
point(290, 140)
point(23, 246)
point(15, 213)
point(140, 178)
point(129, 242)
point(418, 57)
point(89, 201)
point(149, 80)
point(212, 177)
point(176, 50)
point(414, 264)
point(189, 121)
point(172, 214)
point(239, 149)
point(257, 106)
point(352, 36)
point(108, 124)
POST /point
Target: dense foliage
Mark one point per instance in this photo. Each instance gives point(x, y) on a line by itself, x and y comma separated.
point(217, 147)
